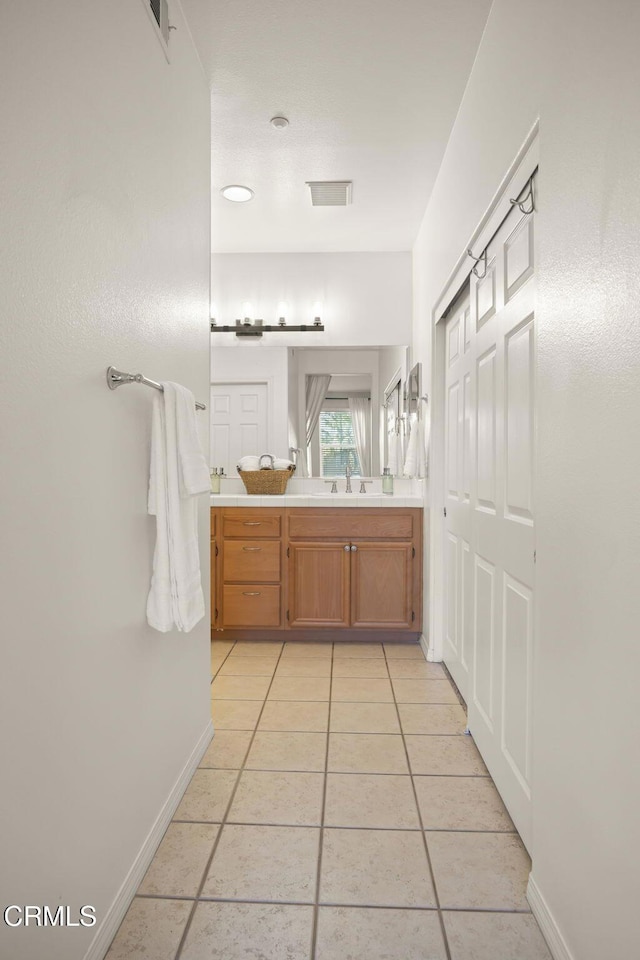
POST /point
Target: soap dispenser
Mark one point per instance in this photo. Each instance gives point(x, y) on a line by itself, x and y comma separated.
point(387, 481)
point(215, 480)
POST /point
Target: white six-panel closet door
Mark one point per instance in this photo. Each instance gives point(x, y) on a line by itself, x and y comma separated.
point(489, 528)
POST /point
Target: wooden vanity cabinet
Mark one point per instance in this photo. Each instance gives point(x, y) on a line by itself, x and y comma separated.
point(355, 569)
point(251, 567)
point(362, 585)
point(348, 573)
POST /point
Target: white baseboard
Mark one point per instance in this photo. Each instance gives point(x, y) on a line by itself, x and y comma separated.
point(550, 930)
point(428, 652)
point(115, 914)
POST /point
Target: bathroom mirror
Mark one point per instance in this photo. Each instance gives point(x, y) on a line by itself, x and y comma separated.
point(328, 410)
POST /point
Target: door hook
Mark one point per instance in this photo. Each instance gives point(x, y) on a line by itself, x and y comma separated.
point(529, 196)
point(481, 259)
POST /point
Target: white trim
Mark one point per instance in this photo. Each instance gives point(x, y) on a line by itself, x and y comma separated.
point(116, 912)
point(512, 185)
point(428, 652)
point(548, 926)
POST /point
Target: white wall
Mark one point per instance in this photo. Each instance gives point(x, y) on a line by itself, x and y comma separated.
point(104, 256)
point(366, 297)
point(576, 66)
point(255, 362)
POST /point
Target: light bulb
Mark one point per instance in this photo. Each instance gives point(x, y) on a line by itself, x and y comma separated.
point(237, 193)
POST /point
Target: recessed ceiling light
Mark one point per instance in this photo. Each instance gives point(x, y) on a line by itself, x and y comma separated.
point(237, 193)
point(279, 122)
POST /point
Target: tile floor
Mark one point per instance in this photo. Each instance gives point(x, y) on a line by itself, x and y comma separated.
point(339, 814)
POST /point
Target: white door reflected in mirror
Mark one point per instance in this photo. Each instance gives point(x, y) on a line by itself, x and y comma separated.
point(238, 423)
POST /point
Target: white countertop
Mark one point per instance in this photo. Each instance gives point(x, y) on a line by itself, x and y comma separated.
point(322, 500)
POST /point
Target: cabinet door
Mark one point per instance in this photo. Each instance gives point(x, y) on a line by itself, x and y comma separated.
point(382, 585)
point(319, 576)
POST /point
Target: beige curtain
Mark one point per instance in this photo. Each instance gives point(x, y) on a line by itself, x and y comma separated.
point(360, 417)
point(316, 390)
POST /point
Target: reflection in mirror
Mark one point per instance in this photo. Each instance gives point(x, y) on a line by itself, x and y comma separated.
point(340, 404)
point(394, 432)
point(322, 408)
point(339, 438)
point(414, 389)
point(416, 460)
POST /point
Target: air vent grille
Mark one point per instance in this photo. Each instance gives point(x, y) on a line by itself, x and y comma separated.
point(330, 193)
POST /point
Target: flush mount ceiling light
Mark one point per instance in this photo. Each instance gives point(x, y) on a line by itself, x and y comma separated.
point(237, 193)
point(279, 122)
point(330, 193)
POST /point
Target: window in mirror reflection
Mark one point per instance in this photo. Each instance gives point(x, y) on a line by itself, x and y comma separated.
point(337, 444)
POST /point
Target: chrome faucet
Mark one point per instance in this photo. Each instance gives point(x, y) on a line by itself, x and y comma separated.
point(348, 476)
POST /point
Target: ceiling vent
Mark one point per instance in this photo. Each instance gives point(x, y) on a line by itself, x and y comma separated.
point(330, 193)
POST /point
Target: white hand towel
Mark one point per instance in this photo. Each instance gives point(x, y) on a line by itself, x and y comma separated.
point(178, 474)
point(415, 464)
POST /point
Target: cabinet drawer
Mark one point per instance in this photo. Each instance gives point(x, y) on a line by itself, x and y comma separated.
point(251, 605)
point(248, 524)
point(392, 524)
point(252, 561)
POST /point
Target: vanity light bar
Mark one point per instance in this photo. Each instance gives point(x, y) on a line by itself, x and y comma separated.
point(256, 330)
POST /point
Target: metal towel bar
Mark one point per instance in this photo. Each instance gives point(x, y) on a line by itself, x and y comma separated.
point(116, 378)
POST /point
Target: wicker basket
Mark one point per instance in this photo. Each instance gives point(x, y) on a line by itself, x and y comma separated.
point(265, 482)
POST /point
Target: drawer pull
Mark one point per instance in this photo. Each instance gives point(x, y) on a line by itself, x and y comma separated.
point(252, 523)
point(251, 593)
point(252, 549)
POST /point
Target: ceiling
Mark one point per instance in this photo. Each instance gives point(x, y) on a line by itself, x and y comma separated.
point(370, 88)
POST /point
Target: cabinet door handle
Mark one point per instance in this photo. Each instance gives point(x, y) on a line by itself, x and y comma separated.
point(353, 548)
point(347, 548)
point(252, 523)
point(252, 549)
point(251, 593)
